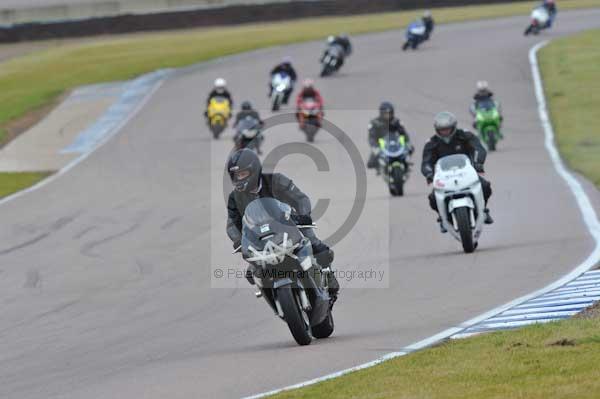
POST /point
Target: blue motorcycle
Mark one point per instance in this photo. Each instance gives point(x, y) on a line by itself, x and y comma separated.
point(416, 33)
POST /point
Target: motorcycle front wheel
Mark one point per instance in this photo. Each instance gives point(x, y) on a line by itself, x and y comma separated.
point(217, 129)
point(491, 138)
point(463, 220)
point(292, 314)
point(396, 182)
point(325, 328)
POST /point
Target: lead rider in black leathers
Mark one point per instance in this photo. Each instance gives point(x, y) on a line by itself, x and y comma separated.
point(249, 184)
point(450, 140)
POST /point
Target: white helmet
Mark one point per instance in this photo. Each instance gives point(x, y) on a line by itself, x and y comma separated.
point(308, 83)
point(330, 39)
point(220, 83)
point(427, 14)
point(482, 85)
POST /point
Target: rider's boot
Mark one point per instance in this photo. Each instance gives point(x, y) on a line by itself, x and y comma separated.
point(488, 218)
point(442, 228)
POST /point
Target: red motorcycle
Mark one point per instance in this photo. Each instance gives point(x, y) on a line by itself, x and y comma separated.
point(310, 115)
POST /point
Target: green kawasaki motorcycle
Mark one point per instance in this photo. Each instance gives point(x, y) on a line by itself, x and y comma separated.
point(487, 122)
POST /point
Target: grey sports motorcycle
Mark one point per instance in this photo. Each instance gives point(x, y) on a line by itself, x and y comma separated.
point(285, 271)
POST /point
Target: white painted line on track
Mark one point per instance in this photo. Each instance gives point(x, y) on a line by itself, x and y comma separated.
point(589, 217)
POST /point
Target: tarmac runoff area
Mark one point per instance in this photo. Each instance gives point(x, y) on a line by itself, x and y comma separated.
point(41, 147)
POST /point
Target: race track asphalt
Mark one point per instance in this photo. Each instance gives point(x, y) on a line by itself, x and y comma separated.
point(105, 274)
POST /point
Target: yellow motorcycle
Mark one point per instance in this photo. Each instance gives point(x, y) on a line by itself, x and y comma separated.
point(218, 114)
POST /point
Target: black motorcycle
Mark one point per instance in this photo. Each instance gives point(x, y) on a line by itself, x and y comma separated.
point(393, 162)
point(248, 134)
point(285, 271)
point(332, 59)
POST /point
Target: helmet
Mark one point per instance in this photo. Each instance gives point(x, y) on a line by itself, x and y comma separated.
point(308, 84)
point(482, 85)
point(246, 106)
point(330, 39)
point(244, 169)
point(427, 14)
point(445, 125)
point(386, 110)
point(220, 83)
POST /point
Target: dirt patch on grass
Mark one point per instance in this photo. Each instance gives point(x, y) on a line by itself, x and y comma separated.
point(563, 342)
point(591, 312)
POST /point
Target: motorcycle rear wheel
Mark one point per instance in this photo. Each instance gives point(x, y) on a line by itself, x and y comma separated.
point(292, 314)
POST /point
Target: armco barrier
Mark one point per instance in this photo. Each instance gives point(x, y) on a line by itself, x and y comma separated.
point(216, 16)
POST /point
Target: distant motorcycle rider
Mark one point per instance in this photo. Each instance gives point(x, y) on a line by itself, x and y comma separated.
point(429, 23)
point(285, 67)
point(550, 6)
point(308, 91)
point(220, 90)
point(245, 171)
point(449, 140)
point(483, 94)
point(247, 111)
point(344, 42)
point(386, 123)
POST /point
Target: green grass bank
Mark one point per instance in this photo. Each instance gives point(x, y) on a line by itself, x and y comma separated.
point(571, 72)
point(13, 182)
point(555, 360)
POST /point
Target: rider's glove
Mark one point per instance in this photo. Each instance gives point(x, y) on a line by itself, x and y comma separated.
point(303, 220)
point(429, 179)
point(478, 167)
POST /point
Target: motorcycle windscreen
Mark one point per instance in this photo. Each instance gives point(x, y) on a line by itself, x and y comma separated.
point(486, 105)
point(335, 51)
point(248, 127)
point(392, 146)
point(267, 219)
point(457, 161)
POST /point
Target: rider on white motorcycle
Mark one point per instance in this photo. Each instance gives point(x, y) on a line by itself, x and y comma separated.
point(450, 140)
point(285, 67)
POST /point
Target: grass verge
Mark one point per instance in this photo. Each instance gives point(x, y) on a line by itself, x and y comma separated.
point(555, 360)
point(13, 182)
point(30, 82)
point(571, 72)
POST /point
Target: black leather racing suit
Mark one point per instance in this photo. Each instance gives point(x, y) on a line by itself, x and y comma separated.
point(429, 24)
point(283, 189)
point(462, 142)
point(247, 113)
point(379, 128)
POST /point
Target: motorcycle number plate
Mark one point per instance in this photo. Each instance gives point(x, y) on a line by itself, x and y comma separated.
point(265, 228)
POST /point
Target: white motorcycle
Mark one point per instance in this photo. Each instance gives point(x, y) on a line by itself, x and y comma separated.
point(459, 197)
point(539, 21)
point(280, 83)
